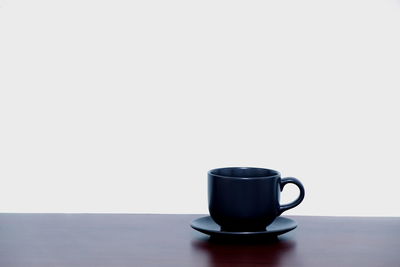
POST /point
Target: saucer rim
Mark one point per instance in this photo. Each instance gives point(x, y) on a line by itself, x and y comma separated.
point(257, 233)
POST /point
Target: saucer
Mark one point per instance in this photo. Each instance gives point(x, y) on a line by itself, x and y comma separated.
point(279, 226)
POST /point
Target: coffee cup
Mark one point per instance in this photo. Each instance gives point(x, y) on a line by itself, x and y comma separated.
point(247, 198)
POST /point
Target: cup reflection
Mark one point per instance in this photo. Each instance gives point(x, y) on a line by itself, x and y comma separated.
point(243, 251)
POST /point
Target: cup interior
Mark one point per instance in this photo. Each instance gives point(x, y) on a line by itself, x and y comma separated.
point(243, 172)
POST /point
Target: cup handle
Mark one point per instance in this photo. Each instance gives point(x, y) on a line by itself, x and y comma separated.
point(291, 180)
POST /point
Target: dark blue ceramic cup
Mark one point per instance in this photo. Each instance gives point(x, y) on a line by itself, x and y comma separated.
point(247, 199)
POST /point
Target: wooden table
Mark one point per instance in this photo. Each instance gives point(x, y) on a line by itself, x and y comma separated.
point(112, 240)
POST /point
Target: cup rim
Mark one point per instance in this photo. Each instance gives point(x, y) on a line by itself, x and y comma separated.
point(276, 173)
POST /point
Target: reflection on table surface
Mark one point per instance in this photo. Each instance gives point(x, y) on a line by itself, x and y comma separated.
point(243, 251)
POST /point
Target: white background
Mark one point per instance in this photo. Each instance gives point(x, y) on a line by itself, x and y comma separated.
point(123, 106)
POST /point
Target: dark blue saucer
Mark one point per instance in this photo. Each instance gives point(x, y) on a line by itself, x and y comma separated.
point(279, 226)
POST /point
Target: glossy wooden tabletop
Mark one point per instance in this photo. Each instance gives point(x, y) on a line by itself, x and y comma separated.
point(114, 240)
